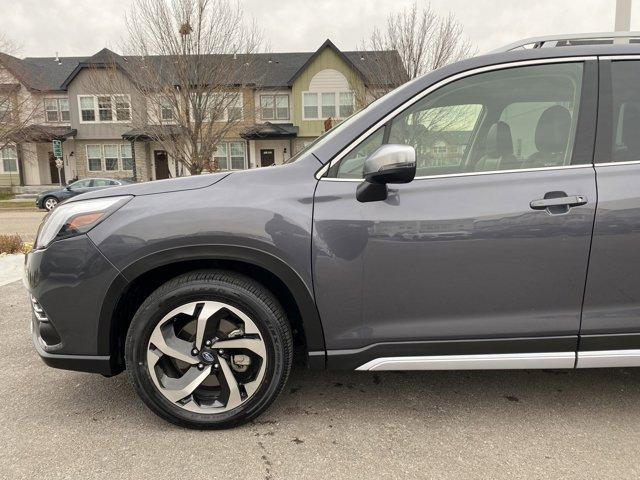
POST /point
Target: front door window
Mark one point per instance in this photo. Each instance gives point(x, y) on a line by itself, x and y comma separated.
point(511, 119)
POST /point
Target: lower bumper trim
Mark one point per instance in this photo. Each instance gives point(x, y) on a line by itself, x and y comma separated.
point(79, 363)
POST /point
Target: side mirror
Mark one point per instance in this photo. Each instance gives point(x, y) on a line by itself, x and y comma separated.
point(388, 164)
point(68, 187)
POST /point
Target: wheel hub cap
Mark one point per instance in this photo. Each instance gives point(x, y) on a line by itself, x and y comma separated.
point(193, 352)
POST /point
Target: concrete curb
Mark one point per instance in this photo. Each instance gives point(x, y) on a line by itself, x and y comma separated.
point(11, 268)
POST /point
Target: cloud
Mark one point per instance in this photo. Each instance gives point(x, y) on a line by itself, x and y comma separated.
point(82, 27)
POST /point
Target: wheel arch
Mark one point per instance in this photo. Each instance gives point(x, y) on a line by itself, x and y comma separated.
point(138, 279)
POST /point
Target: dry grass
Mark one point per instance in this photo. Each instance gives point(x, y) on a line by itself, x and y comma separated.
point(11, 244)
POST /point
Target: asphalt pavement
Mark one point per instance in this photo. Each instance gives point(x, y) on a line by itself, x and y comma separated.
point(439, 425)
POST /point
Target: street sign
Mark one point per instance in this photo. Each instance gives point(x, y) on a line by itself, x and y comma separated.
point(57, 148)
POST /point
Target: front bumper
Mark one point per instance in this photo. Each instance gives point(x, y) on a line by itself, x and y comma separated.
point(68, 282)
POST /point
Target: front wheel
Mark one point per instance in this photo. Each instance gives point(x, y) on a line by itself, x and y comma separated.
point(209, 349)
point(50, 203)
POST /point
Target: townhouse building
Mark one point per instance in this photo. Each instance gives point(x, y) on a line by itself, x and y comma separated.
point(282, 111)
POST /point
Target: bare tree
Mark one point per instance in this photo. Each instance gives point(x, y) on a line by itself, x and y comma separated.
point(423, 40)
point(20, 105)
point(187, 66)
point(7, 45)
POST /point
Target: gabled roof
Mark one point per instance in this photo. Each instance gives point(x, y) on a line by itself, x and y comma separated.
point(330, 45)
point(51, 71)
point(104, 58)
point(269, 70)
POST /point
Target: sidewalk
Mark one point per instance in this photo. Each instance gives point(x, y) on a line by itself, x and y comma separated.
point(11, 268)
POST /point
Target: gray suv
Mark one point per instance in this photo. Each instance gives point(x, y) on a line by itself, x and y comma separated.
point(483, 216)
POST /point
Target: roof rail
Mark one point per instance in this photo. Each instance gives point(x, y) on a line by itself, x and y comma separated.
point(572, 39)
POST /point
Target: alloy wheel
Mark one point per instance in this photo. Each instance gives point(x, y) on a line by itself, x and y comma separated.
point(206, 357)
point(50, 203)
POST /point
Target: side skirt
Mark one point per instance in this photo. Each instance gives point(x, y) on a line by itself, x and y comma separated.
point(509, 361)
point(503, 361)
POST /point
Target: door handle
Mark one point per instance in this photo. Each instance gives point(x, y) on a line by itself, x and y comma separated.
point(569, 201)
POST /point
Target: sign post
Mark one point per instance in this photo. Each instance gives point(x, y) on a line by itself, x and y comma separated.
point(57, 153)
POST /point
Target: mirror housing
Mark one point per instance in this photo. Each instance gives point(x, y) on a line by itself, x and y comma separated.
point(388, 164)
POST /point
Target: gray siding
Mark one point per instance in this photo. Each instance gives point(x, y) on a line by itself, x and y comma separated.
point(86, 83)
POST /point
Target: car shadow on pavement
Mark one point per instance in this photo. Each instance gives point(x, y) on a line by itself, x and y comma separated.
point(400, 397)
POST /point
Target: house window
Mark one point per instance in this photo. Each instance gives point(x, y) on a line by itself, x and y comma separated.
point(221, 107)
point(56, 109)
point(238, 156)
point(123, 107)
point(274, 107)
point(440, 148)
point(346, 104)
point(94, 158)
point(234, 108)
point(110, 157)
point(105, 108)
point(166, 110)
point(87, 109)
point(126, 155)
point(328, 105)
point(63, 103)
point(231, 156)
point(310, 105)
point(268, 107)
point(5, 109)
point(9, 159)
point(220, 156)
point(321, 105)
point(51, 110)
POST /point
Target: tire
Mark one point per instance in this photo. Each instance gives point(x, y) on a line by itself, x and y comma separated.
point(49, 203)
point(250, 309)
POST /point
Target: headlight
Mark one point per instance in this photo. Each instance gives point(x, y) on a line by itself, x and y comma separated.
point(71, 219)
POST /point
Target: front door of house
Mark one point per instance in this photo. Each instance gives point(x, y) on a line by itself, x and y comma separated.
point(267, 157)
point(55, 173)
point(161, 162)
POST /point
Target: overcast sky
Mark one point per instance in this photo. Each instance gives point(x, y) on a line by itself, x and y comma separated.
point(82, 27)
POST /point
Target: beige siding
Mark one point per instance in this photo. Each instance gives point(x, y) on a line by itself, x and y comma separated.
point(327, 60)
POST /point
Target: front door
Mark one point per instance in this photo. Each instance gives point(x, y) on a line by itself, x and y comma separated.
point(472, 257)
point(55, 173)
point(267, 157)
point(161, 162)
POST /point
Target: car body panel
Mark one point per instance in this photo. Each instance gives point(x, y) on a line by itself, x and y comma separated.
point(451, 258)
point(70, 279)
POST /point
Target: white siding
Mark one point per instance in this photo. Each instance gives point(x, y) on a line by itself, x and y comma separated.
point(328, 80)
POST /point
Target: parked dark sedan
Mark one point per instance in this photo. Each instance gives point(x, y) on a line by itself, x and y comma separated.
point(49, 199)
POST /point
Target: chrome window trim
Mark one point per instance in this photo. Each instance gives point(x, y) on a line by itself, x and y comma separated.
point(619, 57)
point(492, 361)
point(319, 175)
point(469, 174)
point(611, 164)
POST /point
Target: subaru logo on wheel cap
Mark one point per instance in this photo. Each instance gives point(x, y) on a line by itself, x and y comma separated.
point(208, 357)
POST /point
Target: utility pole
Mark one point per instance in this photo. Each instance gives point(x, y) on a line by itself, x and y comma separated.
point(623, 16)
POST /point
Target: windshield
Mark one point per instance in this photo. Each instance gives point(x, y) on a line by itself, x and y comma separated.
point(326, 136)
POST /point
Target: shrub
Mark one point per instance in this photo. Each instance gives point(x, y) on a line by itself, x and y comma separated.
point(10, 243)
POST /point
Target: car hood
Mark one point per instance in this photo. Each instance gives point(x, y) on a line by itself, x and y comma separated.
point(49, 192)
point(157, 186)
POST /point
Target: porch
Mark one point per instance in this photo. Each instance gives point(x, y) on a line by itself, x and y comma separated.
point(270, 143)
point(35, 163)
